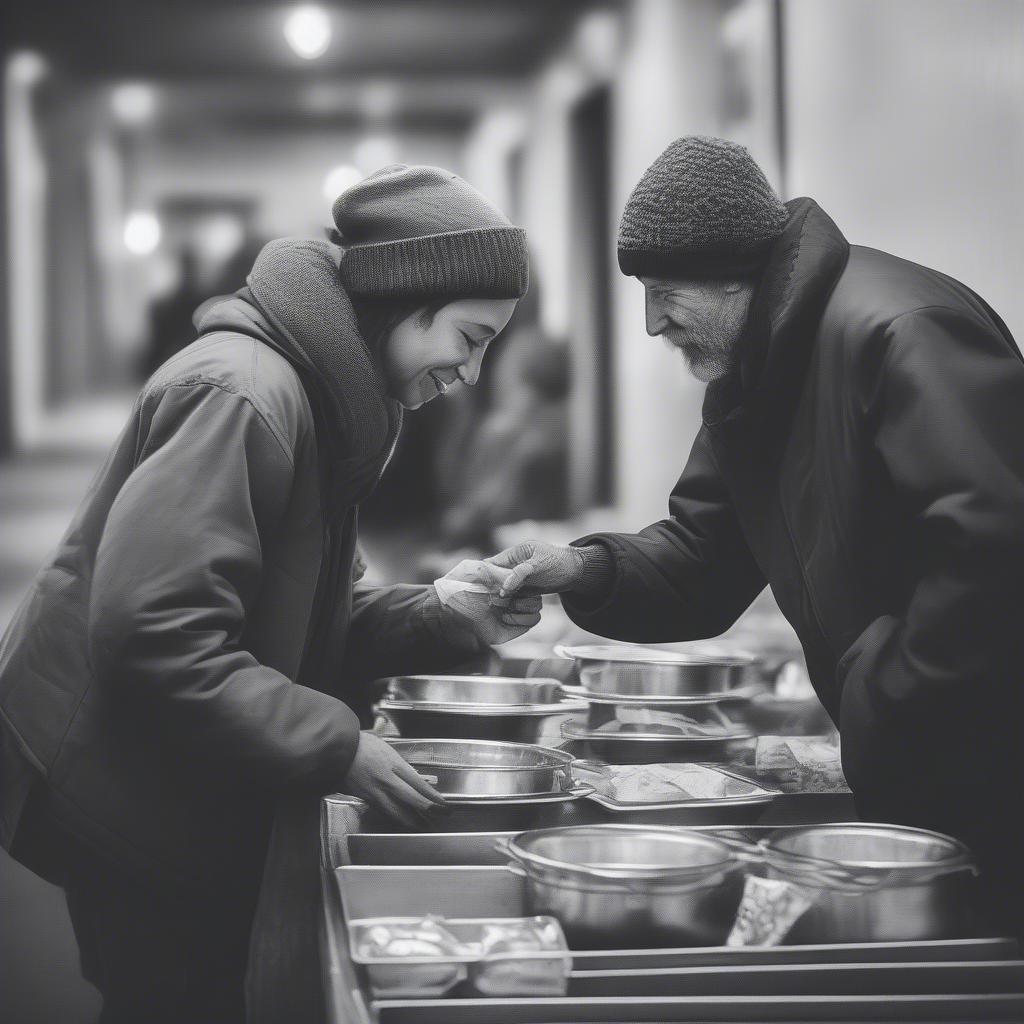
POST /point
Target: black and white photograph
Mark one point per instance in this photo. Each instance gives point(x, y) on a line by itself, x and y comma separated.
point(512, 511)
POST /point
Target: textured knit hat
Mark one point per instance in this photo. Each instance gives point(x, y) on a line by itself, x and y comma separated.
point(703, 209)
point(421, 231)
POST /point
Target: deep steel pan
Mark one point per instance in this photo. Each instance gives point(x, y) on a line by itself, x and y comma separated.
point(624, 885)
point(440, 689)
point(648, 672)
point(483, 768)
point(913, 884)
point(527, 723)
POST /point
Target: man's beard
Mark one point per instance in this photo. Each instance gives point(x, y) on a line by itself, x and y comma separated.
point(708, 350)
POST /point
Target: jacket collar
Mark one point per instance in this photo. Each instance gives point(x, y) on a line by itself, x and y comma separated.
point(802, 269)
point(295, 303)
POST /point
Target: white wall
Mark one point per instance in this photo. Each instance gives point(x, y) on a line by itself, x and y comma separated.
point(906, 122)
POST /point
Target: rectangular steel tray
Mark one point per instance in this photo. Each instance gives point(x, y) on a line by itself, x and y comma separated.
point(703, 1009)
point(976, 979)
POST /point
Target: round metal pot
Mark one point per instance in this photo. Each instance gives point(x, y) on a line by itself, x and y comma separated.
point(520, 723)
point(644, 672)
point(905, 884)
point(617, 886)
point(473, 690)
point(482, 768)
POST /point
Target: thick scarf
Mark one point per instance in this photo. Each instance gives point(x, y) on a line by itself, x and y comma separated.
point(294, 283)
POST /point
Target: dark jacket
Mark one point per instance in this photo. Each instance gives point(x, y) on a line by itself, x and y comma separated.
point(865, 459)
point(197, 646)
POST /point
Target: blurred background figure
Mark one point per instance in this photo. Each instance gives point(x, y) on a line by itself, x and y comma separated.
point(150, 146)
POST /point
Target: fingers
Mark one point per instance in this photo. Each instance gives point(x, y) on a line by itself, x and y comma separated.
point(409, 776)
point(511, 557)
point(519, 575)
point(528, 619)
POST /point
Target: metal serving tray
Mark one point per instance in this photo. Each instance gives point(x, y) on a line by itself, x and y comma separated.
point(741, 695)
point(436, 689)
point(966, 967)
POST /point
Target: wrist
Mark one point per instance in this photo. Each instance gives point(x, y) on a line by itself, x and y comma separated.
point(596, 570)
point(445, 626)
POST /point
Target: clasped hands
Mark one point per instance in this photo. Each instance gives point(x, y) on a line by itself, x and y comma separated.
point(498, 599)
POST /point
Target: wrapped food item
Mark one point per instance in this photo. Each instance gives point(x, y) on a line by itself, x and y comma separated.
point(424, 954)
point(507, 969)
point(768, 910)
point(654, 783)
point(811, 764)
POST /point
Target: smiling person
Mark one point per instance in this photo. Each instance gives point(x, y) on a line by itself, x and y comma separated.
point(195, 653)
point(861, 453)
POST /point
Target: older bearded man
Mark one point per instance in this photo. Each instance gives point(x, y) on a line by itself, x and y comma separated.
point(862, 453)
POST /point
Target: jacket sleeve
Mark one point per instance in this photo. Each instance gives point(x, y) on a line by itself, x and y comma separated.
point(927, 691)
point(179, 564)
point(687, 577)
point(395, 631)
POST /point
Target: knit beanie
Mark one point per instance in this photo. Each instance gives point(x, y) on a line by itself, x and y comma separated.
point(703, 209)
point(421, 231)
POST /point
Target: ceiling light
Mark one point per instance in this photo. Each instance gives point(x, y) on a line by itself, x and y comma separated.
point(26, 67)
point(133, 102)
point(340, 179)
point(308, 31)
point(141, 233)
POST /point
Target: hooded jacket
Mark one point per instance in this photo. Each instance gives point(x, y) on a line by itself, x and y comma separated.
point(865, 459)
point(197, 646)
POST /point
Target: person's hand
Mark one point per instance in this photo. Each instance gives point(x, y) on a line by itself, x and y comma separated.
point(476, 616)
point(538, 568)
point(389, 784)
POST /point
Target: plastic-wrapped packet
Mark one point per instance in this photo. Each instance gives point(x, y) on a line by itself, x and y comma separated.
point(505, 967)
point(768, 910)
point(411, 959)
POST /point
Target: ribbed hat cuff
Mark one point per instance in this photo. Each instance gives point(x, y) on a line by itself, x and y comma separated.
point(486, 263)
point(693, 265)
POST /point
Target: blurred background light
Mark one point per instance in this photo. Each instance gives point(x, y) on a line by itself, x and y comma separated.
point(308, 32)
point(597, 41)
point(133, 103)
point(26, 67)
point(339, 179)
point(219, 237)
point(378, 100)
point(374, 152)
point(141, 232)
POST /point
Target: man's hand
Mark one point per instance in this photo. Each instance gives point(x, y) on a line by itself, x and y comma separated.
point(470, 611)
point(390, 784)
point(538, 568)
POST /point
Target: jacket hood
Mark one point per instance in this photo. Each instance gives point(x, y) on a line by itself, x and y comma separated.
point(803, 267)
point(295, 303)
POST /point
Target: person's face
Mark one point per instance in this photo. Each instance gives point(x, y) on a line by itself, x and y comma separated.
point(423, 359)
point(702, 319)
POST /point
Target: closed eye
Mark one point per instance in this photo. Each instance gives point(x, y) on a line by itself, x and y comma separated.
point(476, 342)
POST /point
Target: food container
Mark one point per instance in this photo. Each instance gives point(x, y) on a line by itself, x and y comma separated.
point(481, 957)
point(894, 884)
point(486, 768)
point(670, 787)
point(631, 746)
point(473, 690)
point(515, 723)
point(706, 720)
point(649, 672)
point(624, 885)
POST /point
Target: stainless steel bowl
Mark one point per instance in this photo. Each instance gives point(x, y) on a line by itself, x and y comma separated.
point(623, 885)
point(651, 748)
point(910, 884)
point(515, 723)
point(473, 690)
point(649, 672)
point(484, 768)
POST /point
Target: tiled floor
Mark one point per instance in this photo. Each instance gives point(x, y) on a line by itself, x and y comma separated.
point(39, 974)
